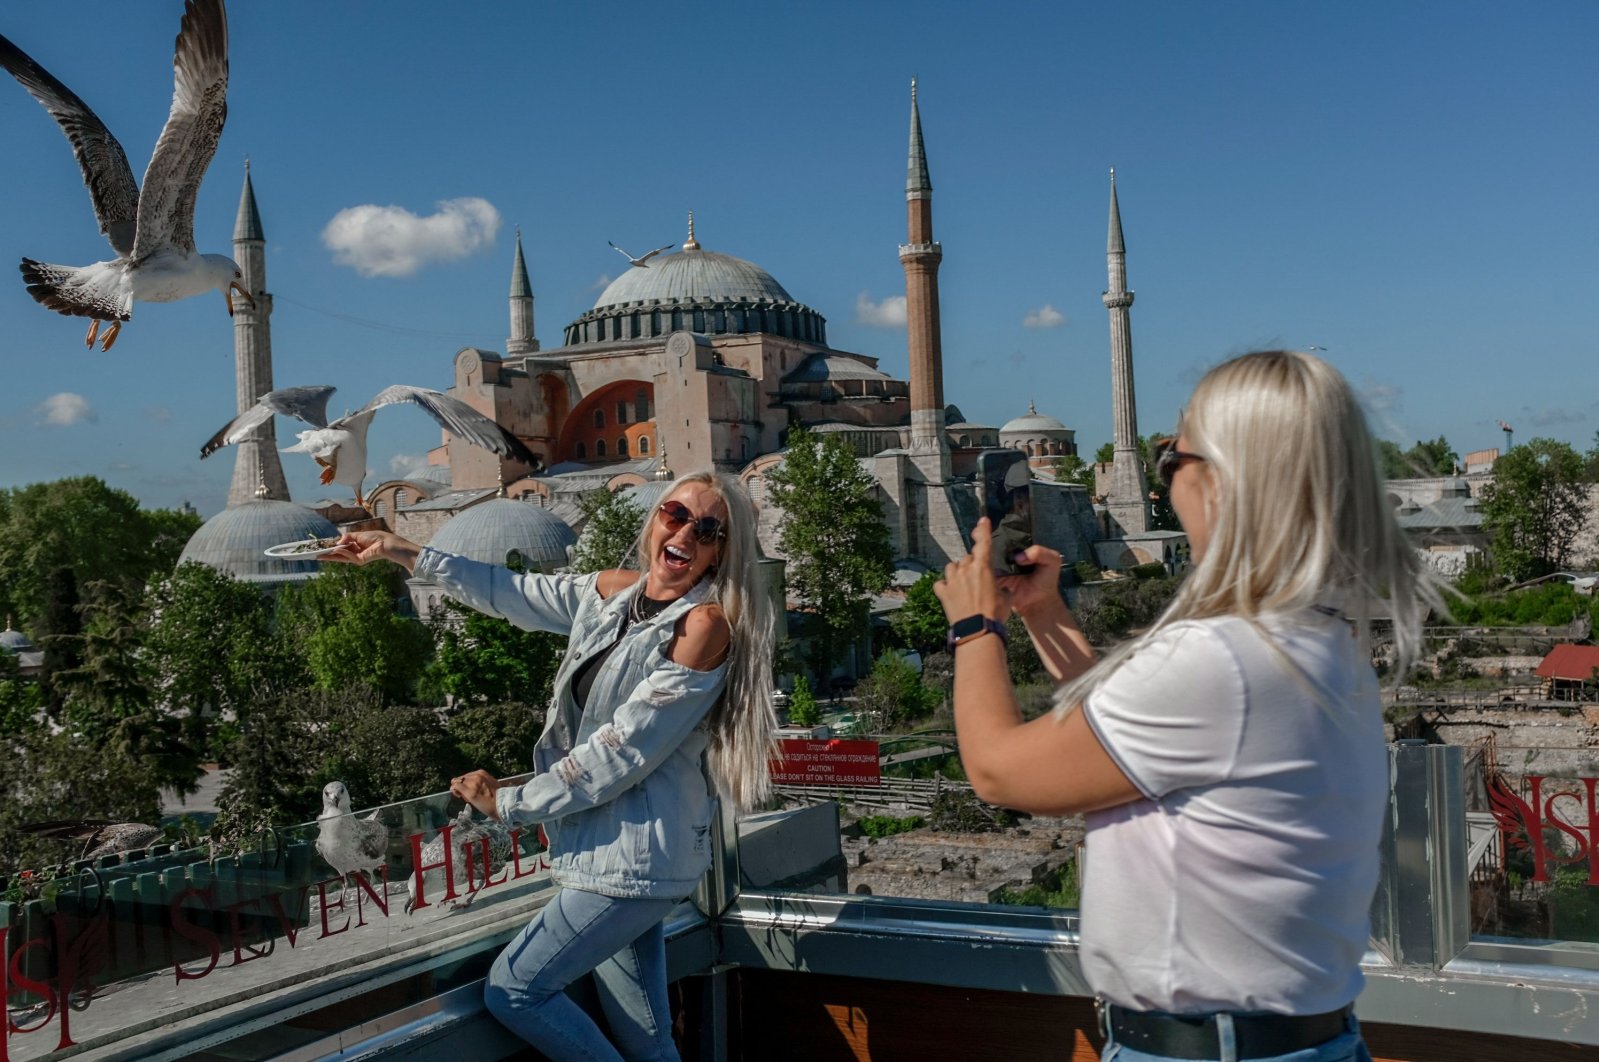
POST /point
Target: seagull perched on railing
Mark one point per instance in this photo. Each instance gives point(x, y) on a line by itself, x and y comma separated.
point(466, 861)
point(152, 232)
point(641, 262)
point(339, 446)
point(347, 843)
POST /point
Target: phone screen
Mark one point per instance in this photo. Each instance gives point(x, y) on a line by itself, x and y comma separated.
point(1004, 480)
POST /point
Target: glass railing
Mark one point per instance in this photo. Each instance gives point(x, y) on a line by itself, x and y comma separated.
point(109, 951)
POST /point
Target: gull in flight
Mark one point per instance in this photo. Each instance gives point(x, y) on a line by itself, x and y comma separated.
point(339, 446)
point(152, 232)
point(100, 837)
point(641, 262)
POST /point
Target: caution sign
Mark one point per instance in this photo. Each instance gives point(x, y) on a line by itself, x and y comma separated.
point(835, 762)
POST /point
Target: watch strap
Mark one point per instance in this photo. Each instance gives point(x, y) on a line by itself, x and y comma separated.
point(973, 626)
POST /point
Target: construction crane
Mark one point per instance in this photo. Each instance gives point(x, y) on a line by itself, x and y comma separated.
point(1507, 429)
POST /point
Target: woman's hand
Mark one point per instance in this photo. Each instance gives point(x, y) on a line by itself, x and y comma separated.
point(1039, 589)
point(478, 789)
point(969, 587)
point(364, 547)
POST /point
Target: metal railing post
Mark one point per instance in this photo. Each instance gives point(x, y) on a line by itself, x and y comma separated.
point(1423, 904)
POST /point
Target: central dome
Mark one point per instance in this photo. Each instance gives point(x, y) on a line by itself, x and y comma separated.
point(695, 290)
point(692, 275)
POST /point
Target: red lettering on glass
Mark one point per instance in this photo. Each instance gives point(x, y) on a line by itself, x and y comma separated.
point(322, 895)
point(234, 933)
point(1524, 822)
point(192, 932)
point(290, 928)
point(363, 883)
point(420, 869)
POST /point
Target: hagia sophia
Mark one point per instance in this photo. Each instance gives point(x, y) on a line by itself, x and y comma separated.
point(695, 359)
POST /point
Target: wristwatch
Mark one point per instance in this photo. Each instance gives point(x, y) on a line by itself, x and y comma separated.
point(971, 627)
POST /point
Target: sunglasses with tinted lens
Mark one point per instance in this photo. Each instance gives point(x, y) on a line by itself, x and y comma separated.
point(1168, 459)
point(707, 529)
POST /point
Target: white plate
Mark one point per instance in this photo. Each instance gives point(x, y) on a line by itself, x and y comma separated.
point(304, 549)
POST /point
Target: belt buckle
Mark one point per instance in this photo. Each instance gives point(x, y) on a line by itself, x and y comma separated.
point(1102, 1017)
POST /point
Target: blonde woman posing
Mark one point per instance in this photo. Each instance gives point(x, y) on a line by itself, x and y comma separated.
point(1230, 759)
point(663, 696)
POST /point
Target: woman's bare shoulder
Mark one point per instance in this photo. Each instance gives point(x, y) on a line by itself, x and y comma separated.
point(615, 579)
point(704, 636)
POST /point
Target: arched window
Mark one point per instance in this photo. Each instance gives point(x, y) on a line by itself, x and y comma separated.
point(1029, 448)
point(599, 447)
point(621, 446)
point(643, 444)
point(965, 440)
point(641, 404)
point(579, 452)
point(400, 497)
point(599, 418)
point(381, 510)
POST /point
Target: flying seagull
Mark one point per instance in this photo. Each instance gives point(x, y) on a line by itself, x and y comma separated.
point(467, 835)
point(641, 262)
point(100, 837)
point(340, 446)
point(152, 232)
point(347, 843)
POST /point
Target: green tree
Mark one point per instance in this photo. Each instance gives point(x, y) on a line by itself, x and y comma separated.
point(611, 527)
point(59, 629)
point(802, 707)
point(920, 620)
point(893, 696)
point(1123, 605)
point(1535, 507)
point(1073, 469)
point(1391, 460)
point(498, 738)
point(838, 548)
point(354, 636)
point(20, 698)
point(480, 659)
point(83, 526)
point(1434, 457)
point(213, 648)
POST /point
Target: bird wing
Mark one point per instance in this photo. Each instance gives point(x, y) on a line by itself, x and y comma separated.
point(106, 172)
point(194, 125)
point(453, 415)
point(371, 841)
point(657, 251)
point(619, 251)
point(309, 404)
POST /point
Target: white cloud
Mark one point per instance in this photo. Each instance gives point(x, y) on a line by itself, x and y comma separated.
point(890, 313)
point(390, 241)
point(159, 414)
point(407, 466)
point(1045, 316)
point(1381, 398)
point(66, 409)
point(601, 284)
point(1551, 417)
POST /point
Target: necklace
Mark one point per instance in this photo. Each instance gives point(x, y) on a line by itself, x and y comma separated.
point(642, 608)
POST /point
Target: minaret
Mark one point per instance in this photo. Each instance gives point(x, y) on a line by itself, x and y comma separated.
point(920, 257)
point(257, 472)
point(522, 340)
point(1128, 497)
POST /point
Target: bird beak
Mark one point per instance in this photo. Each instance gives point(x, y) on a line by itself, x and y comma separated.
point(236, 286)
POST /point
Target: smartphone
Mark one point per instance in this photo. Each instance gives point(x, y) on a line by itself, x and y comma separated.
point(1003, 480)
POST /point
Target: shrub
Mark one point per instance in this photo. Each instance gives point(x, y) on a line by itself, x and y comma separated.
point(888, 825)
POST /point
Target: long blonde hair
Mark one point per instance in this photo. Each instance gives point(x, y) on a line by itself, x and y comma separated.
point(743, 721)
point(1297, 512)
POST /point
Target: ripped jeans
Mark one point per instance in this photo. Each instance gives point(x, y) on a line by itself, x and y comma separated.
point(622, 942)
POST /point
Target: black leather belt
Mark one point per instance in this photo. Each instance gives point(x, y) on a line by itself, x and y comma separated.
point(1194, 1035)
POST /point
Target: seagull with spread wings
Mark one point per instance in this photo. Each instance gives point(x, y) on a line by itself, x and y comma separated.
point(151, 231)
point(643, 261)
point(339, 446)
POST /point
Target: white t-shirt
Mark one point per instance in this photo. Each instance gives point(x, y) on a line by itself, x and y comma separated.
point(1243, 879)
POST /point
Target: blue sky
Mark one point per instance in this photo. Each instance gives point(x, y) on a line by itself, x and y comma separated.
point(1409, 186)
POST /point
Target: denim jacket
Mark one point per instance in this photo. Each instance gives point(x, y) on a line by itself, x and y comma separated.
point(621, 788)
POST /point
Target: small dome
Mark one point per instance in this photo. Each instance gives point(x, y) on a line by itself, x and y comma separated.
point(824, 367)
point(13, 641)
point(234, 541)
point(1034, 421)
point(493, 530)
point(648, 495)
point(690, 275)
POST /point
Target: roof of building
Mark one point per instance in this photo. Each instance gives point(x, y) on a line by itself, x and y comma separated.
point(825, 366)
point(13, 641)
point(493, 530)
point(1451, 511)
point(235, 540)
point(648, 495)
point(694, 274)
point(1033, 421)
point(1576, 662)
point(450, 500)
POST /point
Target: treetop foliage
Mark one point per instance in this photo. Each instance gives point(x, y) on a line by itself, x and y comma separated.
point(1535, 507)
point(611, 527)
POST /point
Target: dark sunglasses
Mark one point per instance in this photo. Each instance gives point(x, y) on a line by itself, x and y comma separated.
point(1168, 459)
point(674, 514)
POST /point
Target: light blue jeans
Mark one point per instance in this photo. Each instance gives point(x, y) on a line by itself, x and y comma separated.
point(621, 941)
point(1346, 1048)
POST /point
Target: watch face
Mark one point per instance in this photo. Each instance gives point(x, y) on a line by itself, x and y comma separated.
point(966, 627)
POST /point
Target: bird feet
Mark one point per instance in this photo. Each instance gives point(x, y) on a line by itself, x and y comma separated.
point(109, 338)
